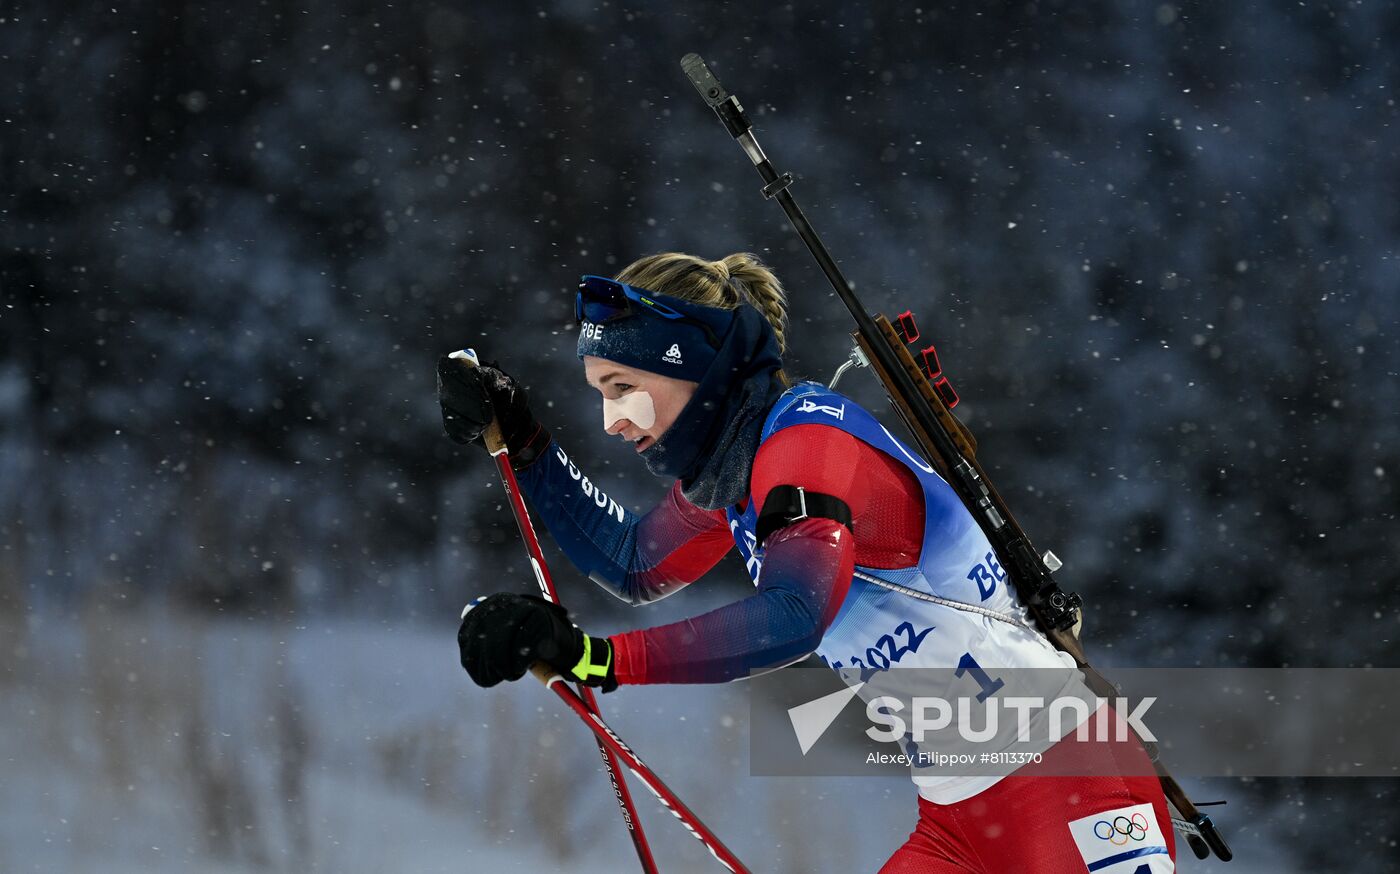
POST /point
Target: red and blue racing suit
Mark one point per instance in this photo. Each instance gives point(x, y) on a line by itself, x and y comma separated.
point(913, 566)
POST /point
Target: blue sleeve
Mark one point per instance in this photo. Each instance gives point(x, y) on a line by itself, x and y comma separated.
point(806, 575)
point(637, 558)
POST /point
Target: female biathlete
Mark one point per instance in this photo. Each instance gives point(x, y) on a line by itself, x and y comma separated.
point(849, 538)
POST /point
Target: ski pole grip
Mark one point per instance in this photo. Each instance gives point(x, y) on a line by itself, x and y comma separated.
point(544, 673)
point(492, 437)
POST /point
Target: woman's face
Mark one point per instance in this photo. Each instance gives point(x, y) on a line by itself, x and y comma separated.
point(618, 382)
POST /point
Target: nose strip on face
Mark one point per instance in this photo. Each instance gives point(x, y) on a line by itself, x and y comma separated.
point(635, 406)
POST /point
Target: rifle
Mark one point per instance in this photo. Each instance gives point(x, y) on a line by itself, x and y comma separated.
point(923, 399)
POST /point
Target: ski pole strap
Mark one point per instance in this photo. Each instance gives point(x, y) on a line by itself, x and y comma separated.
point(596, 661)
point(788, 504)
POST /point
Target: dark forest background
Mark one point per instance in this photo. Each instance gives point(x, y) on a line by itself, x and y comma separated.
point(1158, 245)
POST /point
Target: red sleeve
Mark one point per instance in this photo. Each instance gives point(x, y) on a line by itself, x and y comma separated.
point(806, 574)
point(677, 543)
point(818, 458)
point(886, 500)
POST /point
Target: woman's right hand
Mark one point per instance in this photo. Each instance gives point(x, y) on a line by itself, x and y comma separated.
point(471, 395)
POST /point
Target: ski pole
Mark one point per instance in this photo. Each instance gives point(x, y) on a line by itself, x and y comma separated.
point(612, 744)
point(496, 445)
point(606, 737)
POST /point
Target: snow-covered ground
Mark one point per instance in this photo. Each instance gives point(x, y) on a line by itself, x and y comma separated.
point(151, 741)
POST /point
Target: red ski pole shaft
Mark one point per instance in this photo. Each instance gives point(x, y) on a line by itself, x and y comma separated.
point(663, 793)
point(619, 783)
point(496, 445)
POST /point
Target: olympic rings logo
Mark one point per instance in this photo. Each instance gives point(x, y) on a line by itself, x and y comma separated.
point(1122, 829)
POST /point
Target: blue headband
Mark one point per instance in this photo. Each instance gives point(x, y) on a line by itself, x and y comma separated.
point(657, 345)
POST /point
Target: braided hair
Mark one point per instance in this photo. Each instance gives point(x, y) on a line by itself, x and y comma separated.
point(740, 278)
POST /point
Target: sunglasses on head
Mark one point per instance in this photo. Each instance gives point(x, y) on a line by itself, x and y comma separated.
point(601, 300)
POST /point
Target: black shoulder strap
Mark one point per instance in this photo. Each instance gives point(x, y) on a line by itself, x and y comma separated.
point(788, 504)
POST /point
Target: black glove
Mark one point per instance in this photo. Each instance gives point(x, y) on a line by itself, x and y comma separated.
point(470, 395)
point(503, 634)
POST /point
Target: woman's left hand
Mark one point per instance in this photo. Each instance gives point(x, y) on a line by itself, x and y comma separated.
point(502, 635)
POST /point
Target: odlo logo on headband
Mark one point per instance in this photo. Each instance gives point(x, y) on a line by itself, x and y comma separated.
point(673, 355)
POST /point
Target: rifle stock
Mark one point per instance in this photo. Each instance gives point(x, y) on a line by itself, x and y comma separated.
point(962, 437)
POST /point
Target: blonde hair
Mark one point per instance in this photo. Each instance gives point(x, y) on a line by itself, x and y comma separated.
point(729, 282)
